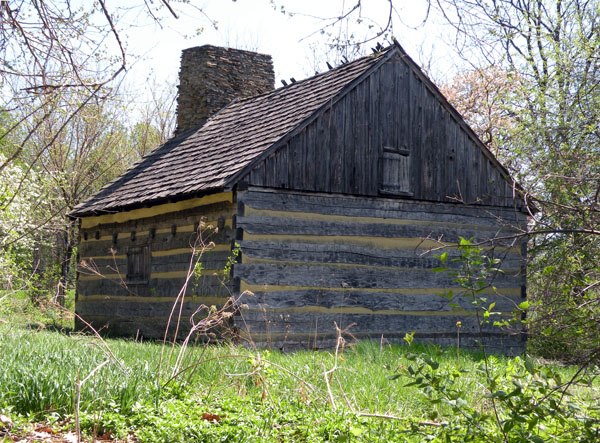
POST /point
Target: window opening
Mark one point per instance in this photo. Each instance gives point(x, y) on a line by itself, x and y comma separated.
point(138, 264)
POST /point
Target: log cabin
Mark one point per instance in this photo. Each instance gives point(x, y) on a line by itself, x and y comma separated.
point(326, 201)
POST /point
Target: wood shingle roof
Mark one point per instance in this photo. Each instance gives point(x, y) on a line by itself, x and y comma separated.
point(209, 158)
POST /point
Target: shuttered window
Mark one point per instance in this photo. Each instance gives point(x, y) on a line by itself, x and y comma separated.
point(395, 172)
point(138, 265)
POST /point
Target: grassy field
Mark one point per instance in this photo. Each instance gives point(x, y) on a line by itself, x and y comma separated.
point(366, 392)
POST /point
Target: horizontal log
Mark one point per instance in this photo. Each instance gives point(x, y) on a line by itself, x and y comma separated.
point(403, 219)
point(375, 301)
point(150, 307)
point(107, 249)
point(264, 198)
point(151, 328)
point(205, 284)
point(206, 224)
point(211, 262)
point(292, 226)
point(178, 274)
point(135, 328)
point(357, 260)
point(421, 245)
point(353, 255)
point(322, 276)
point(279, 322)
point(256, 289)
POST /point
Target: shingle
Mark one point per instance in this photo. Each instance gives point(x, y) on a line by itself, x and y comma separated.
point(202, 160)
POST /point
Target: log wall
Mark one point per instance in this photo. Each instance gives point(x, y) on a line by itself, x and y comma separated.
point(314, 261)
point(116, 303)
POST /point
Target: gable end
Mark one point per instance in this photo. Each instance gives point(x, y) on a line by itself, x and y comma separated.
point(389, 133)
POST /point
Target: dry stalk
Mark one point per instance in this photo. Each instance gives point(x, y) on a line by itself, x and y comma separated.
point(394, 417)
point(243, 357)
point(211, 318)
point(197, 249)
point(78, 384)
point(211, 321)
point(103, 345)
point(110, 358)
point(340, 343)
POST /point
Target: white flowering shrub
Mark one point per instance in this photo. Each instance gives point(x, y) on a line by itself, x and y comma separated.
point(20, 193)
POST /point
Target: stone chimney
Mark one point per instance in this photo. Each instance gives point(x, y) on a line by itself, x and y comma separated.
point(211, 77)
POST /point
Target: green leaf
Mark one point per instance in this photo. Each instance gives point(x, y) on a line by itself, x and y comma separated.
point(529, 366)
point(548, 270)
point(432, 363)
point(498, 394)
point(449, 295)
point(464, 242)
point(357, 432)
point(508, 425)
point(524, 305)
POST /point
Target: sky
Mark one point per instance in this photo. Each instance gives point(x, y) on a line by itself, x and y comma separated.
point(293, 39)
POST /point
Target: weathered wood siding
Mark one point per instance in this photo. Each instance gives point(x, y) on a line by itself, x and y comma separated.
point(316, 260)
point(116, 296)
point(391, 123)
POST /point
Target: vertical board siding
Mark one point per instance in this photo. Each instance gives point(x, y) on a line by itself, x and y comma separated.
point(113, 303)
point(374, 140)
point(314, 261)
point(340, 150)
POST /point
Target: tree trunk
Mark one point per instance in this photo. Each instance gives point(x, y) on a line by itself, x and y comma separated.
point(68, 235)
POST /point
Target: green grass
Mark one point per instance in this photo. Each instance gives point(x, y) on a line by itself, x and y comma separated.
point(232, 393)
point(17, 309)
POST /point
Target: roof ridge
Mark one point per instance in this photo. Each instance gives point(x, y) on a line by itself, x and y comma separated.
point(331, 71)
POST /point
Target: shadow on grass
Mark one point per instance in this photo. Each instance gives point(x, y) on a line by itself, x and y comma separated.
point(50, 326)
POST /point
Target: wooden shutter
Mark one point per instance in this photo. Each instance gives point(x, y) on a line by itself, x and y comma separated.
point(138, 265)
point(395, 172)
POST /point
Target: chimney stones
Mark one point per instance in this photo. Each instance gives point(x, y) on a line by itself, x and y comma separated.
point(211, 77)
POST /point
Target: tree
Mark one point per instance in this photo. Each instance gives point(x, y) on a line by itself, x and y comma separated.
point(86, 154)
point(157, 120)
point(94, 147)
point(549, 50)
point(61, 67)
point(15, 219)
point(484, 96)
